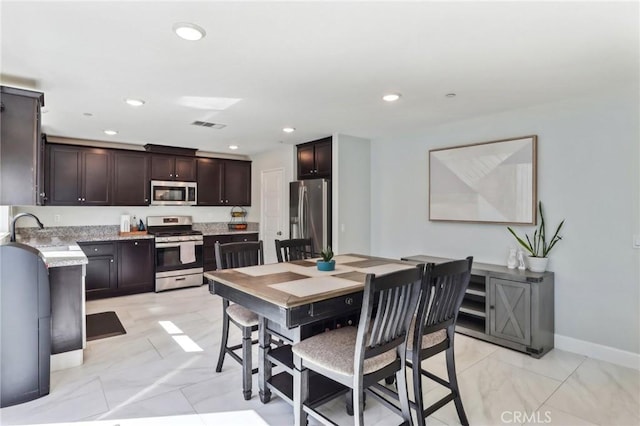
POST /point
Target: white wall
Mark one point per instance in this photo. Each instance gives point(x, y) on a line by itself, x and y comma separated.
point(588, 173)
point(351, 194)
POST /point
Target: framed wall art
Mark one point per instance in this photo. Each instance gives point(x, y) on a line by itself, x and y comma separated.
point(492, 182)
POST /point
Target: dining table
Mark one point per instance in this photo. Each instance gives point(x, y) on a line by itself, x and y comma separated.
point(294, 300)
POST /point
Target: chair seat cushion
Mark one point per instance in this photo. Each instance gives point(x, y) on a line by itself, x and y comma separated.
point(428, 340)
point(242, 315)
point(335, 351)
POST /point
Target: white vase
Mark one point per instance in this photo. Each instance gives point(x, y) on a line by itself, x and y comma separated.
point(537, 264)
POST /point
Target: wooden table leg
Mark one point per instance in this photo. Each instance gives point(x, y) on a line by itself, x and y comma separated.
point(264, 366)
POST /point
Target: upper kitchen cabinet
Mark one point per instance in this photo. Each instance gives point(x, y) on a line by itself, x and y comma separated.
point(169, 167)
point(79, 175)
point(130, 178)
point(223, 182)
point(314, 159)
point(21, 147)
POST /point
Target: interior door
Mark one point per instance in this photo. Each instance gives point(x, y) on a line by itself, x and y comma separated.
point(272, 209)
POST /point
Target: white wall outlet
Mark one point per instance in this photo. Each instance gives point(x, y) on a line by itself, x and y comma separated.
point(636, 241)
point(56, 218)
point(342, 227)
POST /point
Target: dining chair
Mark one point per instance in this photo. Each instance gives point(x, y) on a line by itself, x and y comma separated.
point(294, 249)
point(238, 255)
point(358, 357)
point(433, 331)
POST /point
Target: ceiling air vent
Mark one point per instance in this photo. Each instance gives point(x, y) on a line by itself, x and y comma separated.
point(210, 125)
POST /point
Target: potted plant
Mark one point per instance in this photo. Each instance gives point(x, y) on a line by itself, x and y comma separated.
point(327, 263)
point(538, 247)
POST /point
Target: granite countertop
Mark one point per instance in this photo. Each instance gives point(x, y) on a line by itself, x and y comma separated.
point(66, 255)
point(71, 235)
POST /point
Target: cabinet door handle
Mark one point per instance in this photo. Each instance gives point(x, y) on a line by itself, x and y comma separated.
point(95, 249)
point(170, 174)
point(79, 198)
point(176, 175)
point(492, 307)
point(135, 244)
point(111, 261)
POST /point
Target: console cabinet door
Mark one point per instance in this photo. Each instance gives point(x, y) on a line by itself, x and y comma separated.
point(131, 179)
point(510, 310)
point(135, 264)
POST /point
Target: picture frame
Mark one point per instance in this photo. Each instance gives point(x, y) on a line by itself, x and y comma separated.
point(486, 182)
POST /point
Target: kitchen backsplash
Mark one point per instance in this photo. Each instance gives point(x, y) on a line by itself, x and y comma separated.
point(95, 215)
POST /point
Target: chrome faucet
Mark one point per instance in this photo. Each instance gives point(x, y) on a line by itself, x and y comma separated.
point(13, 224)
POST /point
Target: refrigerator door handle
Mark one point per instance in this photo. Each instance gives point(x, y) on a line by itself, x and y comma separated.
point(325, 215)
point(301, 217)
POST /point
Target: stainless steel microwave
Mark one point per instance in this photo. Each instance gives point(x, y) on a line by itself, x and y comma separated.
point(173, 193)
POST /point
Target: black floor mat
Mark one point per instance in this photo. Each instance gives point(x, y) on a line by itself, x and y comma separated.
point(104, 324)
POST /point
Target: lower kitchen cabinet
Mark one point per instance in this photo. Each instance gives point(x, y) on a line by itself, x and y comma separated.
point(508, 307)
point(209, 250)
point(117, 268)
point(135, 265)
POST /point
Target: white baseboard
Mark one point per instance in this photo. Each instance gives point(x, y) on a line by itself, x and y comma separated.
point(597, 351)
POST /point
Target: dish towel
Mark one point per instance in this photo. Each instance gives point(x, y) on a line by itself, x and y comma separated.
point(188, 252)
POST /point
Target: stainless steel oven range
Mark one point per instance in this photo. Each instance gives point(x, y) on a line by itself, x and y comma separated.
point(178, 258)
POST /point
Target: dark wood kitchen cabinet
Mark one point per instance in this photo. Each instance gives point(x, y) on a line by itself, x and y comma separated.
point(314, 159)
point(101, 278)
point(135, 265)
point(223, 182)
point(131, 178)
point(79, 175)
point(118, 268)
point(170, 167)
point(21, 147)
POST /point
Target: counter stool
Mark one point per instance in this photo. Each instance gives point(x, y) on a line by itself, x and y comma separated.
point(238, 255)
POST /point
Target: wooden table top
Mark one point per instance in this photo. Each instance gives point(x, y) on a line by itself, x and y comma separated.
point(296, 283)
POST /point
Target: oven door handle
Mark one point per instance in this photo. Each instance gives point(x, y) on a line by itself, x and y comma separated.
point(168, 245)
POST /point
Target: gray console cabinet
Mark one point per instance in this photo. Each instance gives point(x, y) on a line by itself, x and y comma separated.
point(508, 307)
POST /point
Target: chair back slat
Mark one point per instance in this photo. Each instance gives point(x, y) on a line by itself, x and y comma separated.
point(239, 255)
point(294, 249)
point(388, 305)
point(443, 289)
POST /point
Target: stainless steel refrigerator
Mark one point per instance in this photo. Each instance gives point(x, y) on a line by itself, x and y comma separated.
point(310, 211)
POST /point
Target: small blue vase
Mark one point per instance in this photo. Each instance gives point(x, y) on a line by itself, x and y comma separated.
point(326, 266)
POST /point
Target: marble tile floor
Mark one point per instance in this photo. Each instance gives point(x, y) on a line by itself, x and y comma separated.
point(145, 378)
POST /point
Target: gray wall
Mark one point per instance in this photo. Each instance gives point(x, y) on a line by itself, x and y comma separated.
point(588, 173)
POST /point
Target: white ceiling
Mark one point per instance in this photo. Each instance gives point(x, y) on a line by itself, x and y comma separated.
point(320, 67)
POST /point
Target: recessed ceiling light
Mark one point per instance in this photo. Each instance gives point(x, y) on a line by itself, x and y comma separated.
point(134, 102)
point(391, 97)
point(188, 31)
point(450, 95)
point(234, 147)
point(110, 132)
point(288, 129)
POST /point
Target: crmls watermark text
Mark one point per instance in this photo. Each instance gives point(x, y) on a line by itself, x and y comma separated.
point(535, 417)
